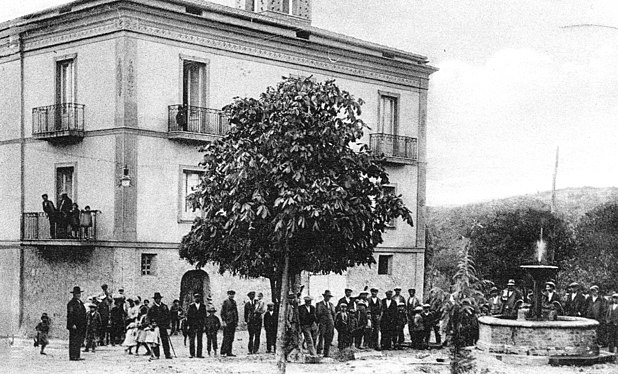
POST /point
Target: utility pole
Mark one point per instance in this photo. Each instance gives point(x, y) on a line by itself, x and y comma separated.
point(553, 189)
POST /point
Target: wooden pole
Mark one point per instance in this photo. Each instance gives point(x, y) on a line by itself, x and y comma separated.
point(553, 189)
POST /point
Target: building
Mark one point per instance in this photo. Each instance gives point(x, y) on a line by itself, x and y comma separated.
point(91, 92)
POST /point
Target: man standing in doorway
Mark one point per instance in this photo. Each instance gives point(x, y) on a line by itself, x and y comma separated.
point(160, 314)
point(229, 319)
point(76, 324)
point(196, 318)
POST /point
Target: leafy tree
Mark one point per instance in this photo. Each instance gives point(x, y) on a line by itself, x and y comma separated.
point(285, 192)
point(506, 239)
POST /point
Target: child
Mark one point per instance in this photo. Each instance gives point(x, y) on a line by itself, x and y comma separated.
point(153, 338)
point(85, 221)
point(143, 331)
point(130, 339)
point(42, 330)
point(74, 214)
point(212, 327)
point(93, 325)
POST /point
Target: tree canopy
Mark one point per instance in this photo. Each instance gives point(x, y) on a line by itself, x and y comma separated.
point(286, 178)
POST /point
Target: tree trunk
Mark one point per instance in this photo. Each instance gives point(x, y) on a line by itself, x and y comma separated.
point(283, 309)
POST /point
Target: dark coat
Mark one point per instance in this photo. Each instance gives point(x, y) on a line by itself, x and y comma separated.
point(575, 307)
point(390, 315)
point(76, 315)
point(229, 312)
point(375, 308)
point(49, 208)
point(325, 313)
point(196, 318)
point(509, 301)
point(252, 316)
point(306, 317)
point(160, 314)
point(93, 322)
point(271, 321)
point(597, 309)
point(344, 300)
point(611, 316)
point(212, 324)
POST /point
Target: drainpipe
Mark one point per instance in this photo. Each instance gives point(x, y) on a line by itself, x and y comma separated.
point(22, 174)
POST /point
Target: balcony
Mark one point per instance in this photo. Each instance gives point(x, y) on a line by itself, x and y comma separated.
point(62, 123)
point(38, 230)
point(196, 124)
point(397, 149)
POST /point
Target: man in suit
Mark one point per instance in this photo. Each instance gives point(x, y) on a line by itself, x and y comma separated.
point(398, 297)
point(375, 309)
point(196, 318)
point(510, 299)
point(597, 309)
point(611, 320)
point(347, 299)
point(50, 209)
point(388, 321)
point(229, 320)
point(160, 313)
point(575, 302)
point(325, 313)
point(271, 320)
point(253, 318)
point(307, 320)
point(76, 324)
point(495, 304)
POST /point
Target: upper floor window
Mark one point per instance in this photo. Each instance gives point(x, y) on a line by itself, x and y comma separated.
point(65, 182)
point(389, 114)
point(65, 81)
point(290, 7)
point(194, 84)
point(190, 180)
point(250, 5)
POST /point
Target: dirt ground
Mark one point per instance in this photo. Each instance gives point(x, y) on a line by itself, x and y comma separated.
point(22, 357)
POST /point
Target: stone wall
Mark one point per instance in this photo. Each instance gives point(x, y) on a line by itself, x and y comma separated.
point(570, 336)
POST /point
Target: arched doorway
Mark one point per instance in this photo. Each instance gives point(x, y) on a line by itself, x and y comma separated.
point(194, 281)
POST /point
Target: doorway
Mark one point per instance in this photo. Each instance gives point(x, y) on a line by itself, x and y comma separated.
point(194, 281)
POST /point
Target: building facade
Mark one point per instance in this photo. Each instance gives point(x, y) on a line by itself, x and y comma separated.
point(90, 108)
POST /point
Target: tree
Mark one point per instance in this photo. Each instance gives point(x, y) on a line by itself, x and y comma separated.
point(506, 239)
point(284, 191)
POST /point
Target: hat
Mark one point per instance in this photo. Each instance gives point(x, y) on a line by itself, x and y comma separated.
point(363, 293)
point(91, 305)
point(197, 294)
point(346, 304)
point(402, 304)
point(361, 302)
point(269, 304)
point(44, 315)
point(574, 285)
point(348, 290)
point(615, 295)
point(157, 295)
point(374, 290)
point(327, 293)
point(104, 285)
point(511, 282)
point(251, 293)
point(418, 308)
point(231, 292)
point(307, 298)
point(389, 292)
point(211, 309)
point(551, 284)
point(595, 287)
point(411, 290)
point(397, 288)
point(426, 306)
point(76, 289)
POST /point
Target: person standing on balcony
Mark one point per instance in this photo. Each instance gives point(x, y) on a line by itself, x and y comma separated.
point(50, 209)
point(64, 209)
point(85, 222)
point(76, 324)
point(74, 216)
point(181, 117)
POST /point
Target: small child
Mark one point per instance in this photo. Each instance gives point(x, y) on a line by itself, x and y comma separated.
point(153, 338)
point(85, 222)
point(42, 330)
point(93, 325)
point(74, 217)
point(130, 339)
point(212, 327)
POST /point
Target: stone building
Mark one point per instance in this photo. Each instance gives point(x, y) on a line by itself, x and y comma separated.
point(89, 107)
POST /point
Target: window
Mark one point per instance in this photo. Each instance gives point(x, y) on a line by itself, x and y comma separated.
point(389, 112)
point(250, 5)
point(390, 190)
point(385, 264)
point(290, 7)
point(194, 83)
point(149, 262)
point(190, 180)
point(64, 182)
point(65, 92)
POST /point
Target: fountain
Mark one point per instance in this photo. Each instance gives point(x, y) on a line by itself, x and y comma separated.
point(565, 340)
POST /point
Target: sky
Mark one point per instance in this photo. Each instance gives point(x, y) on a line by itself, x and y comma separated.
point(517, 79)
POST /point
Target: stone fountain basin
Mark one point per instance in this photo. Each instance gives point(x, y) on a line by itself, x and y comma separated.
point(568, 336)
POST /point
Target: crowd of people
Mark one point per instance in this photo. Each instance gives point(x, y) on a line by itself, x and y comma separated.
point(363, 321)
point(67, 221)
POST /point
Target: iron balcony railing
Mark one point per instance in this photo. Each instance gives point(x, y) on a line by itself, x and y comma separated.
point(194, 119)
point(40, 226)
point(404, 147)
point(59, 119)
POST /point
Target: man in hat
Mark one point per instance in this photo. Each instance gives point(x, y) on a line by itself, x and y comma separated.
point(550, 302)
point(50, 209)
point(495, 304)
point(346, 299)
point(398, 297)
point(229, 320)
point(291, 338)
point(575, 302)
point(511, 299)
point(271, 319)
point(160, 314)
point(253, 319)
point(597, 309)
point(196, 318)
point(93, 324)
point(388, 322)
point(325, 313)
point(76, 324)
point(611, 321)
point(308, 324)
point(375, 309)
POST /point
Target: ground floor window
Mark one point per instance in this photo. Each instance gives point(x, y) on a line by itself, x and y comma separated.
point(385, 264)
point(149, 261)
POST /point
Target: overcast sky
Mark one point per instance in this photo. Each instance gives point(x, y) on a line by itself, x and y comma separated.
point(516, 80)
